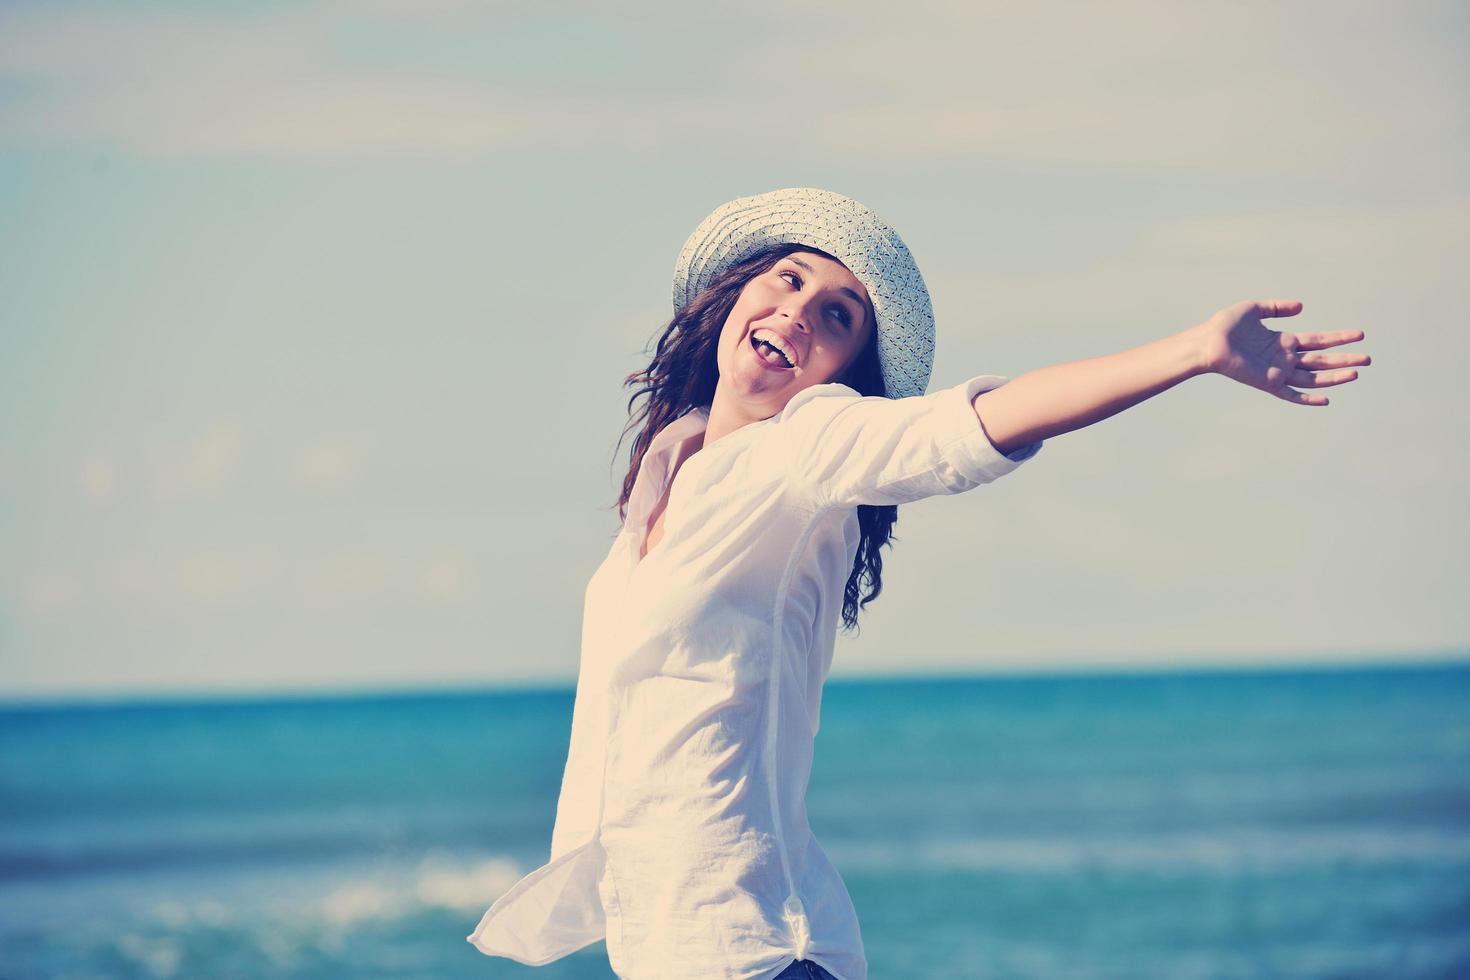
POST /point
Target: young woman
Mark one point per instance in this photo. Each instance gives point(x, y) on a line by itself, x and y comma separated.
point(785, 420)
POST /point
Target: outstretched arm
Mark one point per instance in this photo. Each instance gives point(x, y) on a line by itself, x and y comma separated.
point(1234, 342)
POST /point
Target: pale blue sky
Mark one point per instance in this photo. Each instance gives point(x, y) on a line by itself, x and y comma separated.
point(315, 318)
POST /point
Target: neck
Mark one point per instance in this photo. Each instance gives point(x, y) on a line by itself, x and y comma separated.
point(726, 415)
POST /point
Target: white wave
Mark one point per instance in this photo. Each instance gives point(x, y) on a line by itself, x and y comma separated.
point(283, 914)
point(440, 880)
point(446, 885)
point(157, 956)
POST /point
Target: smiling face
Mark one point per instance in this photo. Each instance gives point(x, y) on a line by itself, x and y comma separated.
point(808, 306)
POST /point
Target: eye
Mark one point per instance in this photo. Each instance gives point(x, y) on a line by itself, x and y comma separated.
point(844, 317)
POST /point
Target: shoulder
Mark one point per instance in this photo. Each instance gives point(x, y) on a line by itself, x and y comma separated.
point(810, 400)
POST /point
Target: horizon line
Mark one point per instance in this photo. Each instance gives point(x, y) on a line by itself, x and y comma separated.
point(1449, 657)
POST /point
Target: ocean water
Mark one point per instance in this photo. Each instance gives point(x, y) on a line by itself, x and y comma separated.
point(1311, 823)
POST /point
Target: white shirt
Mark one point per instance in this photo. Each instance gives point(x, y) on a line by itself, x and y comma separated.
point(681, 831)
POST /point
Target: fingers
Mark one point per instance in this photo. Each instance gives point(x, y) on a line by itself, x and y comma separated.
point(1317, 341)
point(1300, 397)
point(1277, 307)
point(1322, 362)
point(1306, 379)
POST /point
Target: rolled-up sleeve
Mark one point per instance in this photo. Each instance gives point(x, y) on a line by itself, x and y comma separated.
point(848, 449)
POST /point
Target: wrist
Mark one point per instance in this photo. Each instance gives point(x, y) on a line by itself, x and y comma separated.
point(1197, 350)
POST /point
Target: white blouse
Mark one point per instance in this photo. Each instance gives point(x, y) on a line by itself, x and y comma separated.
point(681, 831)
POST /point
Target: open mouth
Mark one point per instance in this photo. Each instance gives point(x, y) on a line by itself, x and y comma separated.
point(770, 355)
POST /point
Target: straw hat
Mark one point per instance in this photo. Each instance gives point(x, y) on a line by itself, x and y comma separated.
point(841, 227)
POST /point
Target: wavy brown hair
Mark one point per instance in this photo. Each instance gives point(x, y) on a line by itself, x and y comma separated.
point(683, 375)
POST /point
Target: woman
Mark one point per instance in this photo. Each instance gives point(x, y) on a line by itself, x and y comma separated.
point(785, 421)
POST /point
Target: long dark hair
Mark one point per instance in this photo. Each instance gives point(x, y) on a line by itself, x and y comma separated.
point(683, 375)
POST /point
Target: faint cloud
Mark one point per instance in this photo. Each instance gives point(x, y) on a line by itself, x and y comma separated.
point(98, 479)
point(1151, 84)
point(190, 84)
point(46, 594)
point(186, 84)
point(1339, 234)
point(211, 577)
point(326, 463)
point(435, 11)
point(205, 464)
point(134, 578)
point(345, 577)
point(1202, 87)
point(170, 585)
point(442, 578)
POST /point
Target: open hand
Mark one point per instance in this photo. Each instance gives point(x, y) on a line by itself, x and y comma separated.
point(1237, 344)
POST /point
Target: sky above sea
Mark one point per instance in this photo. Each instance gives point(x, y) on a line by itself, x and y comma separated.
point(314, 319)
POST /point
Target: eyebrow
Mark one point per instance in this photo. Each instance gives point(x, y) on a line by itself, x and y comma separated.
point(855, 297)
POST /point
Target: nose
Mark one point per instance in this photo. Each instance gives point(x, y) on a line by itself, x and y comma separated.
point(795, 311)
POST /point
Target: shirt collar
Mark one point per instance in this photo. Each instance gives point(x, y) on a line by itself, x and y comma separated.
point(690, 423)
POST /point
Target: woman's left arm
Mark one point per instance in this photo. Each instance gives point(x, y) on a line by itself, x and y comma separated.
point(1234, 342)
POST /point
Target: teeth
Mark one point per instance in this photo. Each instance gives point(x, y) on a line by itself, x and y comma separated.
point(774, 339)
point(764, 347)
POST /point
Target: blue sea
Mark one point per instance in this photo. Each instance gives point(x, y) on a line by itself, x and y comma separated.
point(1232, 824)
